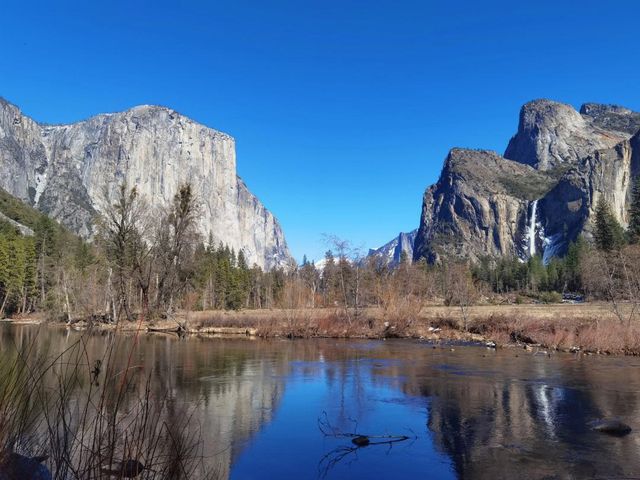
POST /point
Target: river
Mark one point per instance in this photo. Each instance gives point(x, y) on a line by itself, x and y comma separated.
point(469, 412)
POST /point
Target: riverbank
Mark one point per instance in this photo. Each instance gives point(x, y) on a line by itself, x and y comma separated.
point(584, 327)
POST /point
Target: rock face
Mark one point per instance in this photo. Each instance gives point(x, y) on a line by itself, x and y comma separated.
point(23, 229)
point(65, 170)
point(393, 251)
point(541, 194)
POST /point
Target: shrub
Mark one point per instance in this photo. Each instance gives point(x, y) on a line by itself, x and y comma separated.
point(550, 297)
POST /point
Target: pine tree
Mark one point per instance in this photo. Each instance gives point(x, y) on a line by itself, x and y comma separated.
point(31, 274)
point(5, 272)
point(571, 264)
point(244, 276)
point(537, 273)
point(83, 256)
point(609, 234)
point(553, 274)
point(634, 212)
point(329, 278)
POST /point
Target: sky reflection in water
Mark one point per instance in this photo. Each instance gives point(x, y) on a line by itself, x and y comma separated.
point(475, 413)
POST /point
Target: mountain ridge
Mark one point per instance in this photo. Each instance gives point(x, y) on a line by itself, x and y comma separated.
point(541, 194)
point(64, 169)
point(392, 251)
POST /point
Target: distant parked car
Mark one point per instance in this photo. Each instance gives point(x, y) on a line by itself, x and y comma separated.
point(572, 298)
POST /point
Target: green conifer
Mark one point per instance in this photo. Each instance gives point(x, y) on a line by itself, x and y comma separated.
point(634, 212)
point(609, 234)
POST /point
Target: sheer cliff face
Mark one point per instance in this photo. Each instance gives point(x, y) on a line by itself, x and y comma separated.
point(392, 252)
point(64, 170)
point(479, 206)
point(542, 194)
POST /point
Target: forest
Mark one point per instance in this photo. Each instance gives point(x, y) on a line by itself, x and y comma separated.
point(137, 267)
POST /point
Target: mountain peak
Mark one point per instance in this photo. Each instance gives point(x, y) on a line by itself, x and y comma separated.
point(391, 252)
point(63, 170)
point(552, 134)
point(612, 117)
point(540, 196)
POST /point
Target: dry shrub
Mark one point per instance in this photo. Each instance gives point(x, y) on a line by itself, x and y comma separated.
point(446, 322)
point(610, 337)
point(337, 325)
point(296, 323)
point(202, 320)
point(401, 319)
point(330, 323)
point(90, 417)
point(401, 311)
point(615, 277)
point(588, 334)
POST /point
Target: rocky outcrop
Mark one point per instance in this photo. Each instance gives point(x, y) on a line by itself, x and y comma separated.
point(23, 229)
point(542, 194)
point(481, 205)
point(70, 172)
point(393, 252)
point(552, 134)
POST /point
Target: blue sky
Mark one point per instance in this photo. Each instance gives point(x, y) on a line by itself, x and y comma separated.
point(342, 111)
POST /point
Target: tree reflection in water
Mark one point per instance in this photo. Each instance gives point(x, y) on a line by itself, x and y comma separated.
point(476, 413)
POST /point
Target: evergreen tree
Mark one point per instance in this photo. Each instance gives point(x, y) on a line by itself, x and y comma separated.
point(634, 212)
point(30, 290)
point(5, 272)
point(242, 262)
point(244, 278)
point(83, 256)
point(609, 234)
point(330, 279)
point(553, 274)
point(537, 273)
point(571, 264)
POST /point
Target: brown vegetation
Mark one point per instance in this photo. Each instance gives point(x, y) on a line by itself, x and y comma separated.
point(588, 327)
point(147, 267)
point(89, 418)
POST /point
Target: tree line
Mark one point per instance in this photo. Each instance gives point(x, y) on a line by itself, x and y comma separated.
point(144, 263)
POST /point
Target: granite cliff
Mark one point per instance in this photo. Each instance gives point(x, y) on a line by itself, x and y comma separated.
point(541, 194)
point(64, 170)
point(392, 252)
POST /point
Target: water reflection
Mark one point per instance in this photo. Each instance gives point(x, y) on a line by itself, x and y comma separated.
point(476, 413)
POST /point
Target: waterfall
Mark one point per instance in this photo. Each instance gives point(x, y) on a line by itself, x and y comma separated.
point(532, 229)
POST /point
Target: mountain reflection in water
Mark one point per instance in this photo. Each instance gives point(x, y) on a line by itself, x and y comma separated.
point(475, 413)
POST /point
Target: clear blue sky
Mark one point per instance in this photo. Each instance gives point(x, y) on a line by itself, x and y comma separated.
point(342, 111)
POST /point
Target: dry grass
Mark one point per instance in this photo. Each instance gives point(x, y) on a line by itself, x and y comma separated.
point(588, 334)
point(426, 313)
point(557, 311)
point(590, 326)
point(90, 417)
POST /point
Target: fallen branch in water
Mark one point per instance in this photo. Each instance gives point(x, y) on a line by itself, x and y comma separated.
point(359, 440)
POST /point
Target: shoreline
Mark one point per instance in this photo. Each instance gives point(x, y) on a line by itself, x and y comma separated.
point(590, 328)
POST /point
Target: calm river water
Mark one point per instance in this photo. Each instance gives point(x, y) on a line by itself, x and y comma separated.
point(472, 413)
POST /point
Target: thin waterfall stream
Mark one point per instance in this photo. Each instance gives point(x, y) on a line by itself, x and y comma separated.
point(532, 229)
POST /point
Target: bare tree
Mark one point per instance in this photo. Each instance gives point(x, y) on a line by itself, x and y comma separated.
point(176, 237)
point(350, 276)
point(615, 277)
point(311, 279)
point(459, 289)
point(121, 238)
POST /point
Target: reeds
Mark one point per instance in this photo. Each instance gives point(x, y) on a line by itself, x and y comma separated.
point(94, 417)
point(587, 334)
